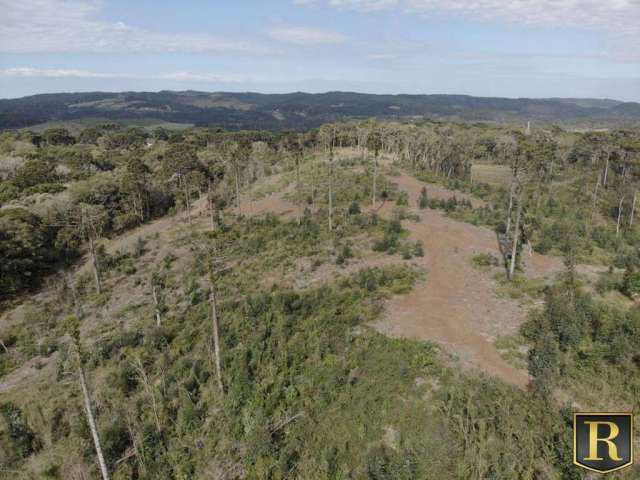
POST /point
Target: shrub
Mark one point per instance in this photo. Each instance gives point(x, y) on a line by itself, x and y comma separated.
point(344, 255)
point(22, 440)
point(423, 201)
point(630, 281)
point(354, 208)
point(485, 260)
point(391, 239)
point(402, 199)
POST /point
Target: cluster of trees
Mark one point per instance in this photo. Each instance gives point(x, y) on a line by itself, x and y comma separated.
point(244, 382)
point(564, 186)
point(127, 176)
point(61, 193)
point(235, 382)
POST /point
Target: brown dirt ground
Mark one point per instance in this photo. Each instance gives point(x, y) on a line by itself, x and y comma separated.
point(456, 306)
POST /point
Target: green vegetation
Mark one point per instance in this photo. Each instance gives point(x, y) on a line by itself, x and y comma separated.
point(224, 344)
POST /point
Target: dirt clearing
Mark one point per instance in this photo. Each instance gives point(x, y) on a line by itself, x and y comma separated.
point(456, 306)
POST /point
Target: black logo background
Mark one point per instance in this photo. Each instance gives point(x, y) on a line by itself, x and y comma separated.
point(623, 441)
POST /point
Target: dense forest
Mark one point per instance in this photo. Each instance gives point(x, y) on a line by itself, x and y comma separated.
point(157, 324)
point(302, 111)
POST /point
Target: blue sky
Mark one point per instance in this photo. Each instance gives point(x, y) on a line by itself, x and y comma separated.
point(516, 48)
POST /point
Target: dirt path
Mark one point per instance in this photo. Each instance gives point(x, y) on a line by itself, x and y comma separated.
point(456, 306)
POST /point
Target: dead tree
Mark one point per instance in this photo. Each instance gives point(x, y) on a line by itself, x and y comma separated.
point(331, 186)
point(142, 374)
point(157, 287)
point(215, 266)
point(238, 156)
point(620, 208)
point(86, 394)
point(595, 197)
point(92, 422)
point(91, 221)
point(374, 144)
point(216, 336)
point(516, 237)
point(210, 206)
point(298, 158)
point(510, 209)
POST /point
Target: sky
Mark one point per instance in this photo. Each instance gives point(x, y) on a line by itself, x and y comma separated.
point(498, 48)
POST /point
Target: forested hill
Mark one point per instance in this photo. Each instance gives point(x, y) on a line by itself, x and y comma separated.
point(299, 110)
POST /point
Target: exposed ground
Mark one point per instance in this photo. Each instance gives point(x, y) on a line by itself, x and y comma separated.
point(456, 306)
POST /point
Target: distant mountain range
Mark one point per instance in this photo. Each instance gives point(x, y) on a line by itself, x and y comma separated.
point(303, 110)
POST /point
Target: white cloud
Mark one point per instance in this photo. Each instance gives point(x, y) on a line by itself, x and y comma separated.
point(29, 72)
point(203, 77)
point(28, 26)
point(365, 5)
point(305, 36)
point(618, 16)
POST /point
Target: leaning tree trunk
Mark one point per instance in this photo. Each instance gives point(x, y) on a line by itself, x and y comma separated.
point(216, 337)
point(331, 191)
point(375, 181)
point(298, 186)
point(95, 264)
point(516, 238)
point(156, 303)
point(595, 198)
point(509, 211)
point(91, 420)
point(314, 172)
point(210, 206)
point(620, 206)
point(237, 181)
point(187, 199)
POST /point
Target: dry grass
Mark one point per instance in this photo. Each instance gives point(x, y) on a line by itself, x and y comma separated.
point(491, 174)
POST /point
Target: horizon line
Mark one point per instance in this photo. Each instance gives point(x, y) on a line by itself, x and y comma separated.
point(255, 92)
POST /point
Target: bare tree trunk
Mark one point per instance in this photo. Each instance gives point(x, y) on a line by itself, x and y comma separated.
point(91, 420)
point(237, 180)
point(375, 181)
point(137, 447)
point(187, 199)
point(313, 185)
point(516, 238)
point(331, 190)
point(620, 205)
point(137, 364)
point(96, 266)
point(633, 208)
point(595, 198)
point(298, 189)
point(4, 347)
point(156, 303)
point(216, 338)
point(606, 171)
point(210, 205)
point(510, 207)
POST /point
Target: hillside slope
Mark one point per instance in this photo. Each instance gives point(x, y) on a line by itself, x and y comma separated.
point(303, 110)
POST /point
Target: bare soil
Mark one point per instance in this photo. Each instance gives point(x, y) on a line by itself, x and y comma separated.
point(456, 306)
